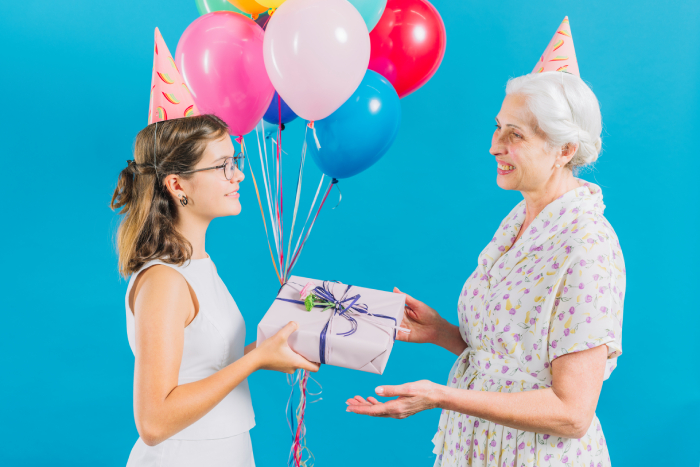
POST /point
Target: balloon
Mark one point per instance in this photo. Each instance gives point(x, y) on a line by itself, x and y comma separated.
point(271, 3)
point(220, 58)
point(316, 53)
point(273, 112)
point(371, 11)
point(249, 6)
point(262, 20)
point(408, 44)
point(359, 133)
point(267, 130)
point(207, 6)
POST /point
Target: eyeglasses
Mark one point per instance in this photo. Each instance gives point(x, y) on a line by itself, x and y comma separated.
point(229, 166)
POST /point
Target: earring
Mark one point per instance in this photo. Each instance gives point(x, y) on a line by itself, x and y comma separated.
point(183, 200)
point(557, 166)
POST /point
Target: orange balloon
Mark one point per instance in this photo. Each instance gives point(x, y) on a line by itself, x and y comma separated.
point(249, 6)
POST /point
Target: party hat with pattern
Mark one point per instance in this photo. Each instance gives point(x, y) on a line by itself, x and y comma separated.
point(559, 54)
point(170, 98)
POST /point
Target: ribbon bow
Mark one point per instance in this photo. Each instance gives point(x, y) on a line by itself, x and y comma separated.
point(344, 307)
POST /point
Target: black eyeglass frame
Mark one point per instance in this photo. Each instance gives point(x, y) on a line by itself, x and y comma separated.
point(238, 163)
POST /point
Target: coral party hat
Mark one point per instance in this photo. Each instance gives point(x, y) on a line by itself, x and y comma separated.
point(559, 54)
point(170, 97)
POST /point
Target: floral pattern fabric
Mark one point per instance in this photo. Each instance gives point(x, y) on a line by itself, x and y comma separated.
point(558, 289)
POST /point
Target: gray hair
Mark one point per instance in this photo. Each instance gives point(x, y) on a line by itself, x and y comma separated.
point(566, 111)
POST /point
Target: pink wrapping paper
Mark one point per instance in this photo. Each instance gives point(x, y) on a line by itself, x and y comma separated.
point(367, 349)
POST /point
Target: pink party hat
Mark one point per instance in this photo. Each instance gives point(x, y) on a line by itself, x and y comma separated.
point(559, 54)
point(170, 98)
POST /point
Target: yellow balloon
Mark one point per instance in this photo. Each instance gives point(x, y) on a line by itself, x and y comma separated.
point(271, 3)
point(249, 6)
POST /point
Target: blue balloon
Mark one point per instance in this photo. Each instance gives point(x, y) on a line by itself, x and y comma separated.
point(270, 130)
point(272, 113)
point(359, 133)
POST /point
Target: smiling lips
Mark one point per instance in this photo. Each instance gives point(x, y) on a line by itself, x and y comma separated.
point(504, 169)
point(233, 194)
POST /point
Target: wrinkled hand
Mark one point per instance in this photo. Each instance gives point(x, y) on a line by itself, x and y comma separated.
point(412, 398)
point(423, 321)
point(275, 354)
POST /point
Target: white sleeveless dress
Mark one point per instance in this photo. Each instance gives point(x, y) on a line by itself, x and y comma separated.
point(214, 339)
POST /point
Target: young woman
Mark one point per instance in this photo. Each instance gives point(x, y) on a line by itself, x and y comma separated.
point(191, 399)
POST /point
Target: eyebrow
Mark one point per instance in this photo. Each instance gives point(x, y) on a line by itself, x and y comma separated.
point(509, 124)
point(221, 158)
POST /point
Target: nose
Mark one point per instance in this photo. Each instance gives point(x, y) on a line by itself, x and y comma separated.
point(238, 176)
point(497, 145)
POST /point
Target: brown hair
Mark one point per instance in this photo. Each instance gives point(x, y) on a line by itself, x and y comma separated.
point(147, 230)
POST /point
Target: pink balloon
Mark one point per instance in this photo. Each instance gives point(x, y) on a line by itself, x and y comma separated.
point(316, 54)
point(221, 61)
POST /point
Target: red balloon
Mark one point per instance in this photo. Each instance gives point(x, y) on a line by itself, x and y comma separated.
point(408, 44)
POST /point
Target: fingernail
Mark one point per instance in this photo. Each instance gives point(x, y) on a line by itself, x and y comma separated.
point(347, 403)
point(348, 410)
point(379, 390)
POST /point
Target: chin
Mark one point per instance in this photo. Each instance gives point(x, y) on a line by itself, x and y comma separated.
point(232, 210)
point(504, 183)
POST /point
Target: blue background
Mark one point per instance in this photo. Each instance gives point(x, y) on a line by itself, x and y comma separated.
point(75, 81)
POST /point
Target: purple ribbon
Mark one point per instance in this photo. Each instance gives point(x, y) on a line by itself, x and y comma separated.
point(341, 307)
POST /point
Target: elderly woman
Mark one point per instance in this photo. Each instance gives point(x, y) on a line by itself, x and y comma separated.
point(540, 318)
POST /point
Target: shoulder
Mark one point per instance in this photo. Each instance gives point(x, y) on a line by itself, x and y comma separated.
point(589, 234)
point(594, 250)
point(162, 277)
point(160, 287)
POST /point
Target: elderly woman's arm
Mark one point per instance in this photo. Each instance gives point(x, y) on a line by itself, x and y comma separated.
point(566, 409)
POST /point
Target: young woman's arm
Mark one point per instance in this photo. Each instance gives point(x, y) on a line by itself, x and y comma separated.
point(250, 347)
point(162, 408)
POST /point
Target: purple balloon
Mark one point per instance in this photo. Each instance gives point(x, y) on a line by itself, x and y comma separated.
point(220, 58)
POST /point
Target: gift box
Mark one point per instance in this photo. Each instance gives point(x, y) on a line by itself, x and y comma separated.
point(346, 325)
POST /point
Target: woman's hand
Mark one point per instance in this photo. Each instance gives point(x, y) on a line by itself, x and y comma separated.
point(427, 326)
point(412, 398)
point(275, 354)
point(423, 321)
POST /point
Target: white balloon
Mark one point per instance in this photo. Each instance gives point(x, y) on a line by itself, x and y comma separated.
point(316, 53)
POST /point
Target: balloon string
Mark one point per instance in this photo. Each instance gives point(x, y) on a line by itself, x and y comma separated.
point(308, 216)
point(340, 195)
point(255, 184)
point(280, 205)
point(296, 202)
point(313, 128)
point(268, 185)
point(333, 182)
point(279, 154)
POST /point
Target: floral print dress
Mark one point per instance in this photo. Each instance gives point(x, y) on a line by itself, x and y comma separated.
point(558, 289)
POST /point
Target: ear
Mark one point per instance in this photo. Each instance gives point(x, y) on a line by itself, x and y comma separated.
point(172, 184)
point(567, 153)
